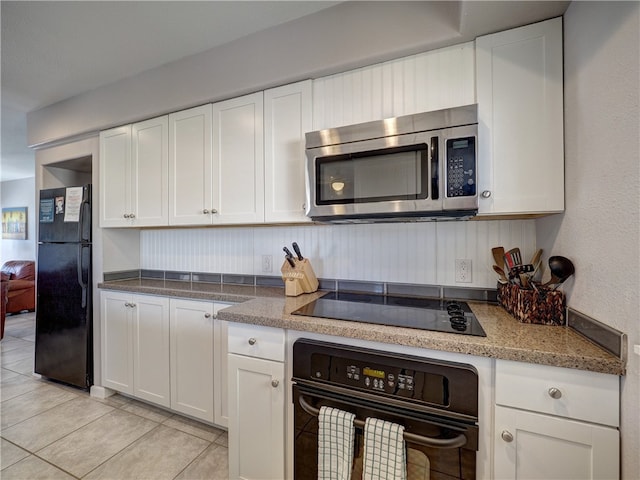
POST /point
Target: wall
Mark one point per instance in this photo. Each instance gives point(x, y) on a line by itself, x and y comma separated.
point(20, 193)
point(600, 229)
point(422, 253)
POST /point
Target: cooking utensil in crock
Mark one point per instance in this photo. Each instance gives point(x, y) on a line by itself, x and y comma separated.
point(502, 278)
point(561, 268)
point(498, 256)
point(536, 260)
point(513, 258)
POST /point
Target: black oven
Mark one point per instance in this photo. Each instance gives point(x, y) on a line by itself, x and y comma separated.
point(436, 401)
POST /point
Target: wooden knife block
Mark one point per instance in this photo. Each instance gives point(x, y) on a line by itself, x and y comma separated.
point(299, 279)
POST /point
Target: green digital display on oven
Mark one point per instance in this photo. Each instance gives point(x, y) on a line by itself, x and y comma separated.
point(373, 373)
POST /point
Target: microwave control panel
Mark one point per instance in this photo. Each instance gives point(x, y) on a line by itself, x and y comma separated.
point(461, 167)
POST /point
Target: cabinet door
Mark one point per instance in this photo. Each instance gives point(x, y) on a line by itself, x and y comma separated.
point(287, 117)
point(256, 418)
point(220, 373)
point(149, 171)
point(115, 177)
point(239, 156)
point(520, 113)
point(191, 353)
point(151, 349)
point(534, 446)
point(190, 167)
point(117, 345)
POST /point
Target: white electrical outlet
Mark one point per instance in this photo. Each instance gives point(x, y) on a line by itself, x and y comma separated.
point(463, 270)
point(267, 263)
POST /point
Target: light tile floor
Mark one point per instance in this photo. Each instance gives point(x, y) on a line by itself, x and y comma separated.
point(50, 431)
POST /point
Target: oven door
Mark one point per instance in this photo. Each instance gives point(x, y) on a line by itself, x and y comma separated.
point(437, 447)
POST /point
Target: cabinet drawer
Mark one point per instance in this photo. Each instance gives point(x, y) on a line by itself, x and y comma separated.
point(578, 394)
point(256, 341)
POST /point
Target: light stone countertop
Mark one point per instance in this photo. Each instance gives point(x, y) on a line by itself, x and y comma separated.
point(506, 338)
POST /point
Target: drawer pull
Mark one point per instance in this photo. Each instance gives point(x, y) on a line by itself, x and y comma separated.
point(555, 393)
point(207, 315)
point(275, 383)
point(205, 211)
point(507, 436)
point(486, 194)
point(252, 341)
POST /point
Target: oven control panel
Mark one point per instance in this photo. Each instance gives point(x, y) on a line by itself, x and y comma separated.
point(420, 385)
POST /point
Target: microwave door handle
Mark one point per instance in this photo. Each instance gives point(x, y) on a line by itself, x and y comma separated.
point(435, 170)
point(456, 442)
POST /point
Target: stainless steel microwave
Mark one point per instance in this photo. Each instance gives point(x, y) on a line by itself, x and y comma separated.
point(411, 168)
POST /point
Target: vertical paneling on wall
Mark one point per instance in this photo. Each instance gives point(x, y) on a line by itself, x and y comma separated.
point(433, 80)
point(422, 253)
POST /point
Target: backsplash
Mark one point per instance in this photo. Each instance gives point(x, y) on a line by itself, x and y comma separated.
point(415, 253)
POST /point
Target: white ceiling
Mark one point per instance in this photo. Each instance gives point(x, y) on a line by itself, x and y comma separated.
point(53, 50)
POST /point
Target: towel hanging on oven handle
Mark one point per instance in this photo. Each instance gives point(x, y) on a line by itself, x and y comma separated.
point(455, 442)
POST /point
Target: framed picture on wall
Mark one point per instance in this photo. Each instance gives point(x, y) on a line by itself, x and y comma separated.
point(14, 223)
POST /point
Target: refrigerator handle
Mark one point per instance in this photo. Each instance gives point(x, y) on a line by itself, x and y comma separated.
point(81, 227)
point(81, 280)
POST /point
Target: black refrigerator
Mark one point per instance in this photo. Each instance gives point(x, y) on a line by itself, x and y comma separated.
point(64, 334)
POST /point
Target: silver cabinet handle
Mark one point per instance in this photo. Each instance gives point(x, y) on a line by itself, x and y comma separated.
point(207, 315)
point(132, 215)
point(555, 393)
point(275, 383)
point(252, 341)
point(214, 211)
point(507, 436)
point(126, 215)
point(132, 305)
point(486, 194)
point(205, 211)
point(127, 304)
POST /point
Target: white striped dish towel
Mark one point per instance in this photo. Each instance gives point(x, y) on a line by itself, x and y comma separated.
point(335, 444)
point(384, 451)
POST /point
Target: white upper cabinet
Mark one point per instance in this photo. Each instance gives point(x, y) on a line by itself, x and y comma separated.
point(192, 189)
point(287, 117)
point(238, 156)
point(520, 109)
point(428, 81)
point(133, 175)
point(115, 174)
point(150, 169)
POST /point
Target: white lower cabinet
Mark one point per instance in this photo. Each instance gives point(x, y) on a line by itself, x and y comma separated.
point(256, 402)
point(555, 423)
point(170, 352)
point(534, 446)
point(135, 345)
point(192, 344)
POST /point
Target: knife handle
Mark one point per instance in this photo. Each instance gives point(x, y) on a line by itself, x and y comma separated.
point(290, 260)
point(287, 251)
point(297, 250)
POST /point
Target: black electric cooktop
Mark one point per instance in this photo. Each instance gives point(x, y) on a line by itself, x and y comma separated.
point(439, 315)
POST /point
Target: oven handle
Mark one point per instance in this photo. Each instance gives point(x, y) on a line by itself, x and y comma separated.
point(455, 442)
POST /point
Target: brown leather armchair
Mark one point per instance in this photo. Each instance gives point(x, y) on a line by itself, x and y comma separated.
point(4, 286)
point(20, 277)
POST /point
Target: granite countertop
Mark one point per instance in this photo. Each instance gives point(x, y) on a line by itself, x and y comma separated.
point(506, 338)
